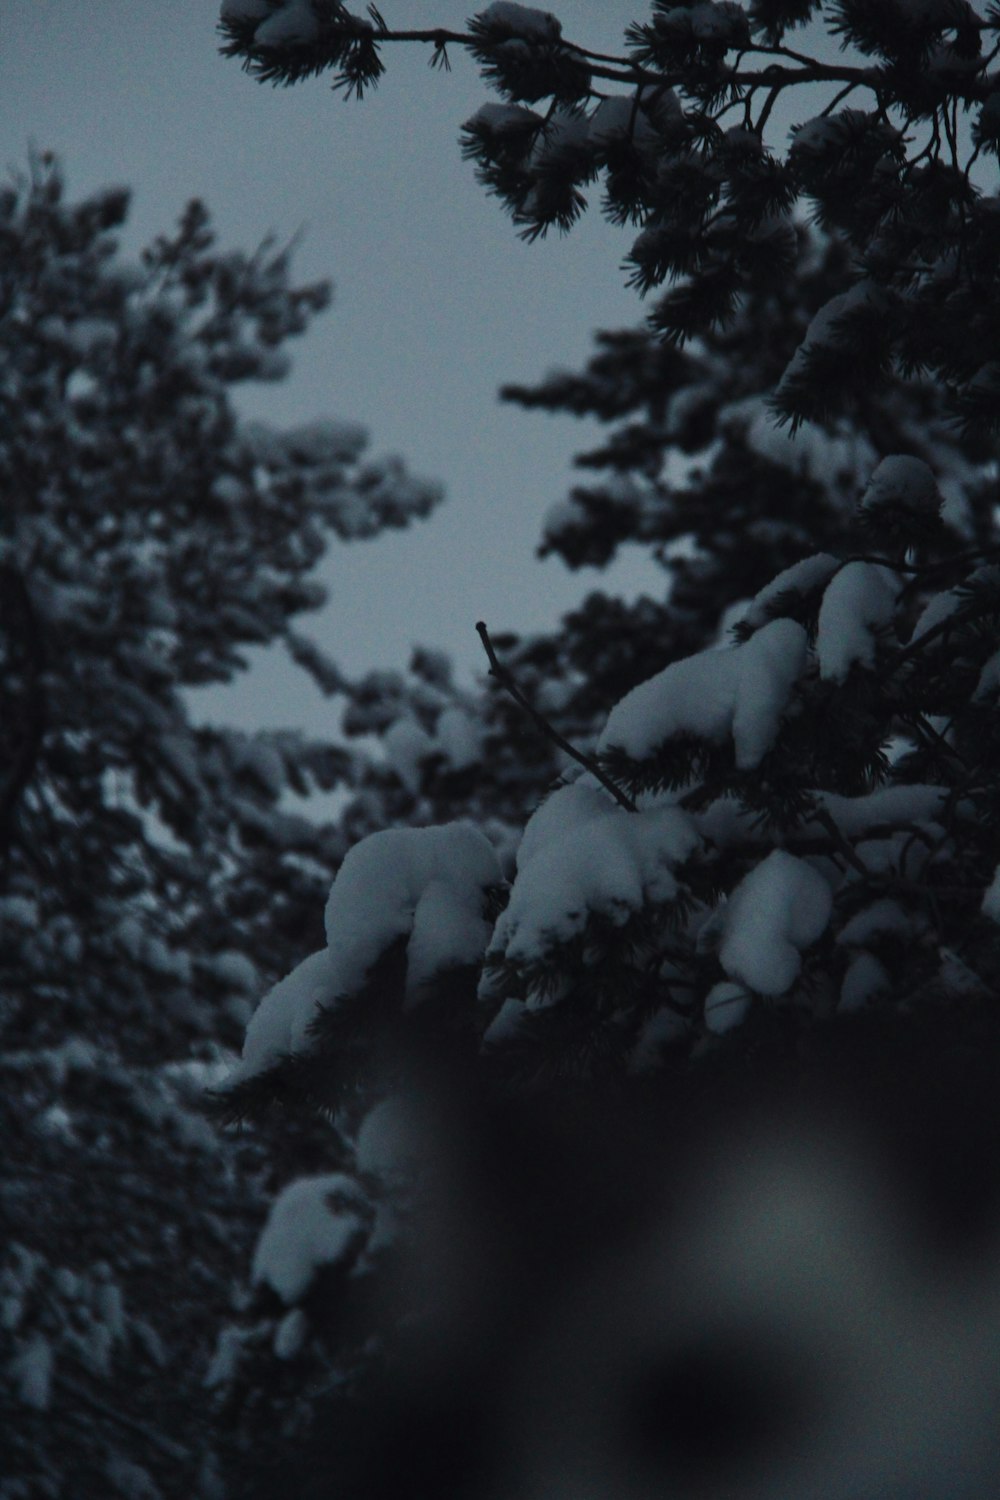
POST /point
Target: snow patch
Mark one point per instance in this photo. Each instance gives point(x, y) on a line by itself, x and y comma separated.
point(938, 607)
point(504, 119)
point(612, 119)
point(294, 24)
point(582, 853)
point(314, 1222)
point(864, 977)
point(829, 327)
point(881, 917)
point(740, 690)
point(130, 1480)
point(225, 1360)
point(989, 678)
point(290, 1334)
point(521, 21)
point(887, 806)
point(902, 482)
point(726, 1005)
point(281, 1020)
point(506, 1024)
point(422, 883)
point(836, 460)
point(780, 908)
point(859, 602)
point(800, 578)
point(659, 1031)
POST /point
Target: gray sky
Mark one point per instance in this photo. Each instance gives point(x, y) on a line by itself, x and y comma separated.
point(436, 300)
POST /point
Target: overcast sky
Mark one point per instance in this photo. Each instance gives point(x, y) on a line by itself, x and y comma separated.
point(436, 299)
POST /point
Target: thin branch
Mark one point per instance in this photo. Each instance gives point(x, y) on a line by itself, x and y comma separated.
point(922, 726)
point(624, 70)
point(838, 98)
point(155, 1439)
point(949, 129)
point(769, 103)
point(824, 817)
point(972, 161)
point(782, 51)
point(506, 681)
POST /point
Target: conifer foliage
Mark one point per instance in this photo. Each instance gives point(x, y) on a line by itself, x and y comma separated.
point(790, 817)
point(151, 875)
point(676, 132)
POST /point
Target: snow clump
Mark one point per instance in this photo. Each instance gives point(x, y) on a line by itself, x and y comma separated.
point(314, 1222)
point(859, 602)
point(293, 24)
point(521, 21)
point(902, 482)
point(281, 1021)
point(740, 691)
point(801, 578)
point(781, 907)
point(423, 884)
point(726, 1005)
point(582, 853)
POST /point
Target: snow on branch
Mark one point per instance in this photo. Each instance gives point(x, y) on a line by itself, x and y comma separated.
point(424, 887)
point(739, 692)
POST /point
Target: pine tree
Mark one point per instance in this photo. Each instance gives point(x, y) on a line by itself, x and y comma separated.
point(782, 841)
point(151, 874)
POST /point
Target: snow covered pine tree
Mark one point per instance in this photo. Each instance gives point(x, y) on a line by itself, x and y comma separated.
point(150, 877)
point(670, 1164)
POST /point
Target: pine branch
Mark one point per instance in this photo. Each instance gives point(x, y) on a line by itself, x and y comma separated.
point(616, 69)
point(505, 679)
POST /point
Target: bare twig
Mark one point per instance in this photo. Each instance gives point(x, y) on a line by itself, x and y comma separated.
point(506, 681)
